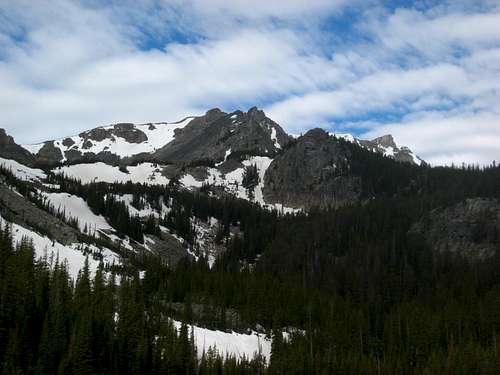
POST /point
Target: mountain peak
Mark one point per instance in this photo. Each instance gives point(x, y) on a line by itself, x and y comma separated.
point(214, 114)
point(256, 114)
point(385, 141)
point(316, 133)
point(9, 149)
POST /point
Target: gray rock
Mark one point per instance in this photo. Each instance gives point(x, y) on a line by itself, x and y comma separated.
point(312, 172)
point(470, 228)
point(386, 142)
point(9, 149)
point(208, 138)
point(129, 133)
point(68, 142)
point(167, 247)
point(21, 211)
point(49, 155)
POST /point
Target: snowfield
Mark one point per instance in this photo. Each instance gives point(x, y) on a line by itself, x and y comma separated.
point(71, 254)
point(233, 182)
point(23, 172)
point(76, 207)
point(146, 173)
point(229, 344)
point(158, 135)
point(146, 211)
point(151, 174)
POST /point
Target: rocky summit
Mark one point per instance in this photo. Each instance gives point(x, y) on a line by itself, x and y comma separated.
point(217, 149)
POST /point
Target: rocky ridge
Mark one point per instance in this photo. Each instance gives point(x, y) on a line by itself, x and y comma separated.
point(216, 149)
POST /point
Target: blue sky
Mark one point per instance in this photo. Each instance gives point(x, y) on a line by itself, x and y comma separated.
point(426, 71)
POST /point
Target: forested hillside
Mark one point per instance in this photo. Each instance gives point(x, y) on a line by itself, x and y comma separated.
point(359, 287)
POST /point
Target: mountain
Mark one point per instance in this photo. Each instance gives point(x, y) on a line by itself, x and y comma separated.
point(191, 140)
point(9, 149)
point(385, 145)
point(194, 139)
point(221, 242)
point(109, 144)
point(218, 149)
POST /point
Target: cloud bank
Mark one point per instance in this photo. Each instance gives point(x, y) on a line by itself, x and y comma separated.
point(430, 75)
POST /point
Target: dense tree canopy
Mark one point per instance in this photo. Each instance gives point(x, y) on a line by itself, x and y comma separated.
point(362, 292)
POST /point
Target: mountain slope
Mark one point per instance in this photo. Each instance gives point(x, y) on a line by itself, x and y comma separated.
point(109, 144)
point(217, 135)
point(9, 149)
point(245, 154)
point(392, 269)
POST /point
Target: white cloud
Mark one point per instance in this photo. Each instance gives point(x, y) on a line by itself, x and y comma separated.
point(253, 9)
point(378, 91)
point(446, 82)
point(438, 36)
point(66, 66)
point(442, 139)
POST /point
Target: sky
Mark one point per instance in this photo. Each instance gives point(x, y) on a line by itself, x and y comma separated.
point(427, 72)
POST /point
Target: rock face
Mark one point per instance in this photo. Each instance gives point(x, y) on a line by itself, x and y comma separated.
point(205, 139)
point(88, 146)
point(23, 212)
point(384, 145)
point(217, 135)
point(9, 149)
point(126, 131)
point(470, 228)
point(312, 172)
point(49, 155)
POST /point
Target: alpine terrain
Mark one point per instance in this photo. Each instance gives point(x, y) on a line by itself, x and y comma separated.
point(221, 244)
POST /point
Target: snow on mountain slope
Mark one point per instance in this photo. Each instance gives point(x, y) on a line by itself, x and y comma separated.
point(33, 148)
point(384, 145)
point(346, 136)
point(233, 182)
point(144, 212)
point(76, 207)
point(72, 254)
point(230, 344)
point(23, 172)
point(123, 140)
point(274, 138)
point(145, 173)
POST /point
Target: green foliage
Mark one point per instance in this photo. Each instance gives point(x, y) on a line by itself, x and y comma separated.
point(50, 326)
point(361, 292)
point(250, 178)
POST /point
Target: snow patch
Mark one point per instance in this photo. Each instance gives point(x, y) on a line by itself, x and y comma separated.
point(229, 344)
point(34, 149)
point(388, 151)
point(72, 254)
point(274, 138)
point(23, 172)
point(76, 207)
point(158, 135)
point(347, 137)
point(146, 173)
point(233, 182)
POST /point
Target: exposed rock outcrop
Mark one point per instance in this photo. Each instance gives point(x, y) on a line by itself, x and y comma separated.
point(470, 228)
point(386, 145)
point(49, 155)
point(218, 135)
point(312, 172)
point(21, 211)
point(127, 131)
point(9, 149)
